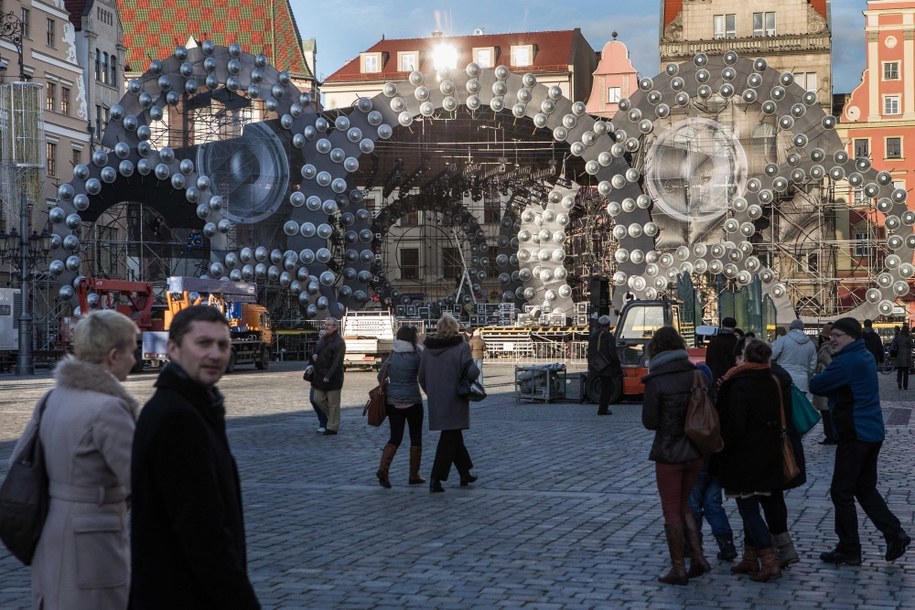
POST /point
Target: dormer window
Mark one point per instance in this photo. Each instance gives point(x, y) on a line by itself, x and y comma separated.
point(407, 61)
point(485, 57)
point(371, 63)
point(522, 55)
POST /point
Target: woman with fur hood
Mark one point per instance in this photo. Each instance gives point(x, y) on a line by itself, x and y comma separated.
point(446, 359)
point(83, 556)
point(404, 404)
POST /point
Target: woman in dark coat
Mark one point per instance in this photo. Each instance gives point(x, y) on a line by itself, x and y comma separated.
point(902, 348)
point(668, 387)
point(446, 356)
point(404, 404)
point(750, 466)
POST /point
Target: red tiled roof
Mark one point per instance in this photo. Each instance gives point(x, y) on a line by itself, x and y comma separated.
point(672, 8)
point(554, 51)
point(153, 28)
point(76, 9)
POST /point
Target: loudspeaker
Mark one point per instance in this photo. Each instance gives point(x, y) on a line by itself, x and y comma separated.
point(600, 296)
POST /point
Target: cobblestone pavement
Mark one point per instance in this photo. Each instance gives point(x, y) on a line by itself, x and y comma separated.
point(565, 513)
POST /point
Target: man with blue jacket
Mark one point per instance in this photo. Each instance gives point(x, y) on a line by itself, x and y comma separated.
point(850, 383)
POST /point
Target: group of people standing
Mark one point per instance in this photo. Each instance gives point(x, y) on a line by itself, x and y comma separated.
point(752, 393)
point(169, 464)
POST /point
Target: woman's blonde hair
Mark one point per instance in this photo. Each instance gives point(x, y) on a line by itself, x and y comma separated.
point(102, 331)
point(447, 326)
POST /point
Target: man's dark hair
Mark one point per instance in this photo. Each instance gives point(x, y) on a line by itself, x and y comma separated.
point(181, 323)
point(868, 323)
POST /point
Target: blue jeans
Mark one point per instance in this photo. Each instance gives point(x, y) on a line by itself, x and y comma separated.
point(755, 530)
point(322, 416)
point(705, 500)
point(479, 364)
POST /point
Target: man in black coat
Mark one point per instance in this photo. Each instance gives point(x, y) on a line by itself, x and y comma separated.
point(719, 355)
point(872, 341)
point(604, 362)
point(328, 376)
point(187, 527)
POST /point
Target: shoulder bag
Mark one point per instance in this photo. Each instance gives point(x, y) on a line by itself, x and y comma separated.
point(24, 496)
point(702, 426)
point(599, 361)
point(804, 415)
point(376, 407)
point(471, 390)
point(790, 468)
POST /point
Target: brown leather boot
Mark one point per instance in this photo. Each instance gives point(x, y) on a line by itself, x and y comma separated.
point(416, 456)
point(677, 573)
point(769, 570)
point(387, 456)
point(749, 564)
point(698, 564)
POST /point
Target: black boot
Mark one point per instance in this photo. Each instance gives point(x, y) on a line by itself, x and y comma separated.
point(435, 486)
point(726, 550)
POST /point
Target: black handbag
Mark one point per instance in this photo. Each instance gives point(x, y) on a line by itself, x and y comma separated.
point(471, 390)
point(24, 497)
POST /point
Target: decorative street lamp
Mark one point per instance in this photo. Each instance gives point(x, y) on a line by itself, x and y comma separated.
point(11, 30)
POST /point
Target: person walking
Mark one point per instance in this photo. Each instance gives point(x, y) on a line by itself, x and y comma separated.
point(872, 341)
point(668, 386)
point(750, 465)
point(404, 404)
point(445, 360)
point(850, 382)
point(824, 357)
point(82, 561)
point(309, 376)
point(901, 348)
point(604, 362)
point(187, 525)
point(719, 355)
point(327, 379)
point(478, 351)
point(796, 353)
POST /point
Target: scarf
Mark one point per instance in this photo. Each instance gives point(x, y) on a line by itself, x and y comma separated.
point(747, 366)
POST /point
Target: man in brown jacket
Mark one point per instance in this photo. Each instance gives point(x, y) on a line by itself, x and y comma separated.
point(478, 351)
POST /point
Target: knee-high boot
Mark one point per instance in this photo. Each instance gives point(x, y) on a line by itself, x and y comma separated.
point(698, 564)
point(677, 573)
point(387, 456)
point(416, 456)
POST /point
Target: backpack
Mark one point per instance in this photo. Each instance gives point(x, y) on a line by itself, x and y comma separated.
point(702, 426)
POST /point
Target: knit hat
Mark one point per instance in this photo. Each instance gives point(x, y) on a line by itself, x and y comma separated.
point(729, 322)
point(849, 326)
point(604, 320)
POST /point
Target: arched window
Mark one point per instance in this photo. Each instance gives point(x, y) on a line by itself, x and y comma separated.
point(105, 67)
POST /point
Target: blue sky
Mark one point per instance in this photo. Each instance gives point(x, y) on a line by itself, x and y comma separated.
point(344, 29)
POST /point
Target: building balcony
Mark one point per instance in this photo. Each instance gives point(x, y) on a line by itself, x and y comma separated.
point(748, 47)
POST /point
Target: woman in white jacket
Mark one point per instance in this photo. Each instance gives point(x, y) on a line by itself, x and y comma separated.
point(83, 557)
point(797, 354)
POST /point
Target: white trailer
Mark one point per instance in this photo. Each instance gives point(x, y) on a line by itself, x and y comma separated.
point(369, 337)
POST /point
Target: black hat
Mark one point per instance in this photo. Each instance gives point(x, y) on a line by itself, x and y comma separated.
point(849, 326)
point(729, 322)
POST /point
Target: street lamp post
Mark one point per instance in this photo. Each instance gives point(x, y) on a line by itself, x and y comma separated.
point(11, 30)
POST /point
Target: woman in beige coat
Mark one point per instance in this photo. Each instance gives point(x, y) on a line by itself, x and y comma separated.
point(82, 560)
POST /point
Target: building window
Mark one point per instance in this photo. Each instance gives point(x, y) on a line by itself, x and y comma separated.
point(409, 263)
point(894, 148)
point(891, 70)
point(763, 24)
point(891, 104)
point(452, 269)
point(26, 18)
point(492, 269)
point(811, 263)
point(52, 159)
point(492, 209)
point(763, 142)
point(862, 148)
point(113, 72)
point(613, 95)
point(77, 157)
point(51, 36)
point(522, 55)
point(725, 26)
point(485, 57)
point(410, 219)
point(104, 66)
point(98, 65)
point(862, 250)
point(371, 63)
point(65, 100)
point(408, 61)
point(50, 100)
point(807, 80)
point(859, 198)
